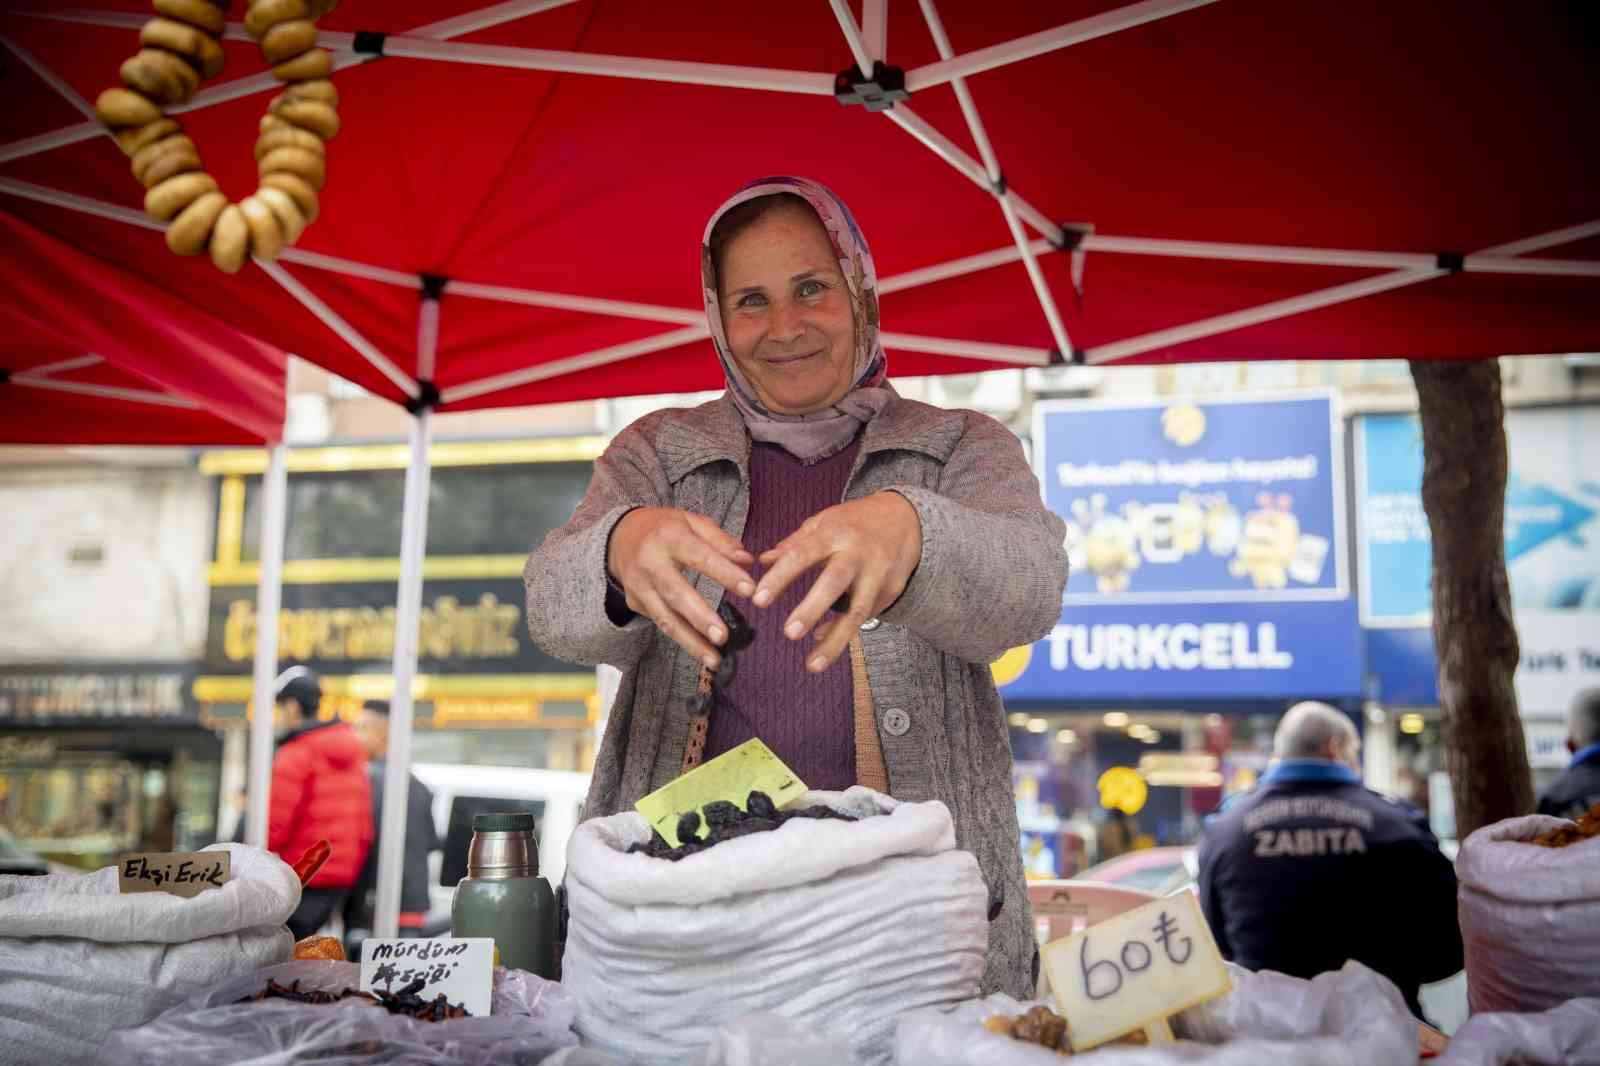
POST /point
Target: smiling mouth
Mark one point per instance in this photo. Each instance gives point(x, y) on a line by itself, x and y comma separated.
point(780, 360)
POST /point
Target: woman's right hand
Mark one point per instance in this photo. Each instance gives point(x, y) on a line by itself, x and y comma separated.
point(651, 547)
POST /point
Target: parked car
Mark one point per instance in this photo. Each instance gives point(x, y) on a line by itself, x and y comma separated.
point(1158, 871)
point(554, 798)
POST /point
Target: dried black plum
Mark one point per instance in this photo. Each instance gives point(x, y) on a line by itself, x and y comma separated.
point(725, 821)
point(760, 805)
point(721, 812)
point(688, 826)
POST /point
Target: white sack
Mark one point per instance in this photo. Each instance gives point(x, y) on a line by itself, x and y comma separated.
point(1568, 1035)
point(1530, 917)
point(769, 1039)
point(1352, 1016)
point(78, 960)
point(836, 925)
point(529, 1020)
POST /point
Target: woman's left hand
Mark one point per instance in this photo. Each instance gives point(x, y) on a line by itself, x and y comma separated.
point(867, 549)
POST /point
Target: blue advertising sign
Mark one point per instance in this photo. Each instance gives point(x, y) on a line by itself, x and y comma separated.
point(1206, 545)
point(1552, 531)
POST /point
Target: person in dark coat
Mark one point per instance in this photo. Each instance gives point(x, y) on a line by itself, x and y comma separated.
point(421, 836)
point(1311, 869)
point(319, 792)
point(1578, 788)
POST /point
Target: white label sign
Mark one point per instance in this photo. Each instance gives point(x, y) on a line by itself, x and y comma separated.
point(461, 970)
point(1135, 970)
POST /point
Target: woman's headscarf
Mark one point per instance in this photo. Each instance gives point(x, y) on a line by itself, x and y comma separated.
point(822, 433)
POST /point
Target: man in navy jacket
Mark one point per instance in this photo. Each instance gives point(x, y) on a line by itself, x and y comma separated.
point(1578, 787)
point(1311, 869)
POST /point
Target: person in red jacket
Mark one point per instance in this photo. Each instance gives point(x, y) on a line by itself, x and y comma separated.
point(319, 792)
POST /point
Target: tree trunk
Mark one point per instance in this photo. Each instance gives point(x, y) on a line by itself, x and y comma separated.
point(1464, 494)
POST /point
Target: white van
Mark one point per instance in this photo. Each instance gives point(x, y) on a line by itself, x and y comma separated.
point(554, 798)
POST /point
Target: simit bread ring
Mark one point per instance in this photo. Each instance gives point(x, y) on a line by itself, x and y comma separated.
point(197, 46)
point(230, 240)
point(265, 14)
point(175, 194)
point(136, 137)
point(179, 159)
point(124, 107)
point(207, 16)
point(144, 157)
point(316, 63)
point(308, 166)
point(322, 7)
point(290, 219)
point(266, 236)
point(313, 115)
point(314, 89)
point(189, 232)
point(299, 190)
point(288, 40)
point(288, 137)
point(160, 75)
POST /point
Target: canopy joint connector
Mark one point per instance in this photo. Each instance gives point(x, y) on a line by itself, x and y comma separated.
point(433, 285)
point(368, 42)
point(877, 93)
point(998, 187)
point(1454, 262)
point(1071, 238)
point(426, 399)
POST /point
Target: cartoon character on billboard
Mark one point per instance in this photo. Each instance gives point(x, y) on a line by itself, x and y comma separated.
point(1270, 542)
point(1106, 544)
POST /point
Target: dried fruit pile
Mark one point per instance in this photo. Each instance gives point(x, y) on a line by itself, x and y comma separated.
point(406, 1001)
point(1044, 1027)
point(1584, 828)
point(724, 821)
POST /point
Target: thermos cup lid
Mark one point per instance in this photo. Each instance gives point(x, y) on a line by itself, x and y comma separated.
point(502, 822)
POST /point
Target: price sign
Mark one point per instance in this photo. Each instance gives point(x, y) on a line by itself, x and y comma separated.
point(177, 873)
point(1134, 971)
point(731, 776)
point(462, 970)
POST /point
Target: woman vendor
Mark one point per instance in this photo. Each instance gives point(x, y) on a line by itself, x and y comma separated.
point(811, 486)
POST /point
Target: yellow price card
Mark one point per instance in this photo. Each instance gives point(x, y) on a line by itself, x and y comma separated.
point(731, 776)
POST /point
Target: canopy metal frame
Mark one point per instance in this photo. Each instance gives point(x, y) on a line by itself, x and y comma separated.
point(867, 43)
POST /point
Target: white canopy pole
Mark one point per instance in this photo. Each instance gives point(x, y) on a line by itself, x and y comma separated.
point(1035, 44)
point(269, 593)
point(391, 843)
point(991, 166)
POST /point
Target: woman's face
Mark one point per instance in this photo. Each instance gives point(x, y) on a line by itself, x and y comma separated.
point(786, 312)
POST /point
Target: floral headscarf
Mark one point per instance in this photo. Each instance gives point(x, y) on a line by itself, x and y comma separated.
point(822, 433)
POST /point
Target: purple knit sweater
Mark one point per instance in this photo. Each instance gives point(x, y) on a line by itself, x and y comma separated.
point(806, 719)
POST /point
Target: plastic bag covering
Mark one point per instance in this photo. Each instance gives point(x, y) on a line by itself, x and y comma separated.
point(1530, 917)
point(1351, 1016)
point(78, 960)
point(530, 1019)
point(839, 926)
point(1568, 1035)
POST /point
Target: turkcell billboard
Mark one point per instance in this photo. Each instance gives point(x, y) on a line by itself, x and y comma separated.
point(1207, 554)
point(1552, 530)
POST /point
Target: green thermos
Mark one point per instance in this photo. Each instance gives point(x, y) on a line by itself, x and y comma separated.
point(504, 897)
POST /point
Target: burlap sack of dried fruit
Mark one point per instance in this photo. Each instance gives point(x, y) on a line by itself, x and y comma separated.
point(78, 960)
point(841, 925)
point(1530, 916)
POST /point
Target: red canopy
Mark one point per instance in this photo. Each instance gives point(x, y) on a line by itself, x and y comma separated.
point(93, 355)
point(1239, 180)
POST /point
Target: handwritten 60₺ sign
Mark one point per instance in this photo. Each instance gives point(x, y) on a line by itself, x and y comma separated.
point(1135, 970)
